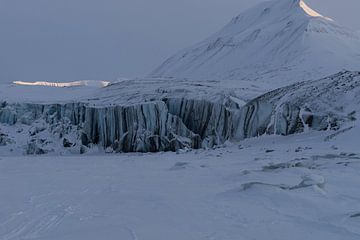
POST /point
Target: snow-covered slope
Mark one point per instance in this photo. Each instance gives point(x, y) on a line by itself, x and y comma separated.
point(279, 42)
point(325, 104)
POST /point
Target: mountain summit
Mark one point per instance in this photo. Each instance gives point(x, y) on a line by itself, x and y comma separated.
point(280, 41)
point(311, 12)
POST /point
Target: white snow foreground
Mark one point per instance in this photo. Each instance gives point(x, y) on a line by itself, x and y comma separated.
point(276, 43)
point(155, 115)
point(296, 187)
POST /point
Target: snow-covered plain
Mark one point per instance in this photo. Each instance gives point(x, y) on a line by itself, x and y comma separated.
point(275, 188)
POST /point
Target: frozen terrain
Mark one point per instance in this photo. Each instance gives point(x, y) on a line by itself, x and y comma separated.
point(276, 188)
point(248, 135)
point(275, 43)
point(279, 43)
point(155, 115)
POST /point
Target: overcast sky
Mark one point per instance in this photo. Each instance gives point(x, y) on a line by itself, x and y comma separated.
point(65, 40)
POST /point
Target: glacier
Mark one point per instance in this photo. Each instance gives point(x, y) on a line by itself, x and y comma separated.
point(262, 74)
point(323, 104)
point(170, 122)
point(167, 125)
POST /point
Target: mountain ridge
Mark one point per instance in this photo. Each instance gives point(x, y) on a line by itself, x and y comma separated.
point(279, 38)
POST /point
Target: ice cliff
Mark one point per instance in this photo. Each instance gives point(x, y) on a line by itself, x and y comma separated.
point(323, 104)
point(168, 121)
point(167, 125)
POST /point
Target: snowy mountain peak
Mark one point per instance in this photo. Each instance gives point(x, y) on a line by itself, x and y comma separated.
point(276, 12)
point(279, 41)
point(292, 6)
point(309, 11)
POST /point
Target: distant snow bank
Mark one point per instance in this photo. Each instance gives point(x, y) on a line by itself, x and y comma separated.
point(88, 83)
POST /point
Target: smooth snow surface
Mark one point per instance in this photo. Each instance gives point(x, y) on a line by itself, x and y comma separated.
point(277, 42)
point(275, 188)
point(44, 94)
point(127, 92)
